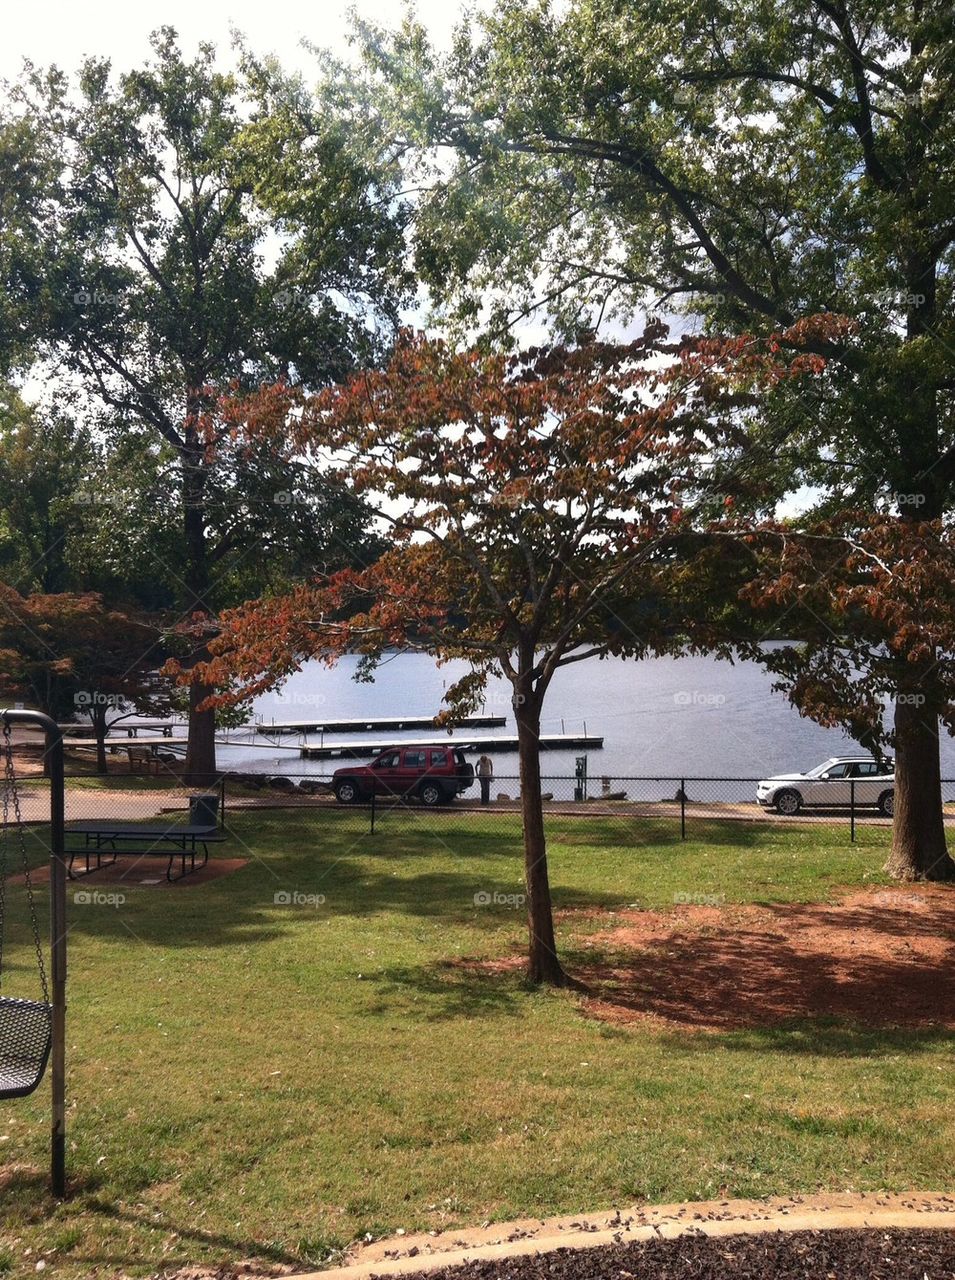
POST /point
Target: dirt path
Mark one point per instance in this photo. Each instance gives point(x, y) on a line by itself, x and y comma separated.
point(95, 802)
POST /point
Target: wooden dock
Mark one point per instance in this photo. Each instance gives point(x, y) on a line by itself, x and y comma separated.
point(373, 725)
point(123, 729)
point(125, 744)
point(364, 750)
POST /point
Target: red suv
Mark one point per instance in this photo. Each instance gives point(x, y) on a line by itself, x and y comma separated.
point(433, 774)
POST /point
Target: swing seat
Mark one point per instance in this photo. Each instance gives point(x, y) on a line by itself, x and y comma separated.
point(26, 1032)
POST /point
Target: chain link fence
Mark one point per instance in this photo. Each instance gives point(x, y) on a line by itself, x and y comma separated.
point(113, 812)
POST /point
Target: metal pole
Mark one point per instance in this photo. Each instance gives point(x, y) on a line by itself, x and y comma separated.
point(852, 810)
point(54, 756)
point(683, 808)
point(373, 812)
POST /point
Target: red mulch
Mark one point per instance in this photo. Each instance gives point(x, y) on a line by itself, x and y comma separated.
point(881, 958)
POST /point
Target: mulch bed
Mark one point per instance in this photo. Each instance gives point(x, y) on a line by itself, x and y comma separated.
point(878, 958)
point(874, 1254)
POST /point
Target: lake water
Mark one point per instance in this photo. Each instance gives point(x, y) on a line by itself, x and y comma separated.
point(665, 716)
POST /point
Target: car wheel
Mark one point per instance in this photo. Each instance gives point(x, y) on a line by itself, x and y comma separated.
point(431, 794)
point(887, 803)
point(788, 802)
point(347, 792)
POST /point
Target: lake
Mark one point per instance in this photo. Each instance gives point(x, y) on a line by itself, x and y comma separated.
point(663, 716)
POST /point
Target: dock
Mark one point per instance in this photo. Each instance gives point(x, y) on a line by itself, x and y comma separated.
point(128, 730)
point(373, 725)
point(364, 750)
point(114, 744)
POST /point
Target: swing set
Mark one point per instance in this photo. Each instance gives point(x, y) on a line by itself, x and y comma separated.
point(33, 1031)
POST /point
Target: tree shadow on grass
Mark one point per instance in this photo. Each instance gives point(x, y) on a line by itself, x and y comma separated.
point(27, 1193)
point(818, 1037)
point(455, 989)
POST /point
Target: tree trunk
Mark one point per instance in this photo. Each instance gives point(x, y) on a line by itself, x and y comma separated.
point(543, 965)
point(200, 767)
point(98, 721)
point(919, 850)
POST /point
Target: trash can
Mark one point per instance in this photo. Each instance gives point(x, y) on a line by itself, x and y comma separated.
point(204, 810)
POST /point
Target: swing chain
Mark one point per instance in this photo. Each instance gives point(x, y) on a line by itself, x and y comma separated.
point(10, 791)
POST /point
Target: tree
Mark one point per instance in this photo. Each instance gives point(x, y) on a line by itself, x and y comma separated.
point(159, 291)
point(536, 508)
point(28, 169)
point(750, 165)
point(872, 597)
point(71, 654)
point(45, 465)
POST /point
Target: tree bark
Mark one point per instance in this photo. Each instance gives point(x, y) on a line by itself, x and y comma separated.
point(200, 766)
point(98, 722)
point(919, 849)
point(543, 966)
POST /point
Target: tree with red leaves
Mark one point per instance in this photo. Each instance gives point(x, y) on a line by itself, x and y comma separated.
point(538, 505)
point(74, 655)
point(872, 599)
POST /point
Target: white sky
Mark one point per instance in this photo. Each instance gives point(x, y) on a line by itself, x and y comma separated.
point(48, 31)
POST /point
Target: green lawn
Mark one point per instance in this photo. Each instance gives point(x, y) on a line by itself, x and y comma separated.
point(254, 1078)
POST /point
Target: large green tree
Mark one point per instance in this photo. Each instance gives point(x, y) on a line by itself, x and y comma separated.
point(748, 164)
point(172, 273)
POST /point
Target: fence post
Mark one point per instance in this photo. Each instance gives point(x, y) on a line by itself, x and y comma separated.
point(373, 813)
point(852, 810)
point(683, 808)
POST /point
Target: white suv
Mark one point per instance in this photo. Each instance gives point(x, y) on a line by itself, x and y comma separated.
point(833, 784)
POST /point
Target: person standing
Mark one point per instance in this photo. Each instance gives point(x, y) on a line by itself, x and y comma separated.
point(485, 774)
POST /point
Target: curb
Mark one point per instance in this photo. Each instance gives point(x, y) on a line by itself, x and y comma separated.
point(408, 1255)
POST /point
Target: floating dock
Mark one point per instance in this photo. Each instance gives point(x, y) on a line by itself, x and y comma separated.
point(364, 750)
point(374, 725)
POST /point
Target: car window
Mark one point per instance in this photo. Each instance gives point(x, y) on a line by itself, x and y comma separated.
point(865, 769)
point(439, 759)
point(837, 771)
point(414, 759)
point(389, 761)
point(459, 757)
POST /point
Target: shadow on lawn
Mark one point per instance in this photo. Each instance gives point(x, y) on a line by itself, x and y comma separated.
point(363, 874)
point(26, 1194)
point(455, 990)
point(820, 1037)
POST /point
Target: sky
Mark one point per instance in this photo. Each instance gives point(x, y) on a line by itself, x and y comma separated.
point(65, 32)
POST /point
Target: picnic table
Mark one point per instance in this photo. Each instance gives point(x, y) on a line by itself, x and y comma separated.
point(103, 838)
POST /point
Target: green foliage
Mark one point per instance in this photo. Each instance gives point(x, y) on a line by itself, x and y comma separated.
point(749, 164)
point(179, 264)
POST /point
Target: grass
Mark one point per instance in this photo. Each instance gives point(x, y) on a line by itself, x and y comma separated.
point(256, 1078)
